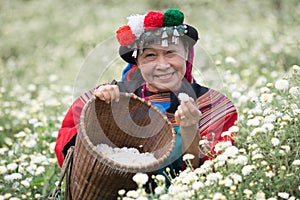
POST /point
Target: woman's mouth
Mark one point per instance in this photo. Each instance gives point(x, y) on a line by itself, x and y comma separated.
point(164, 76)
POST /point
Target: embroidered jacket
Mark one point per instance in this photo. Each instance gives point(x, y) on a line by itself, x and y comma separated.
point(218, 115)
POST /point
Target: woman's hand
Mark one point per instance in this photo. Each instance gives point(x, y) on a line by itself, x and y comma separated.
point(187, 113)
point(108, 93)
point(188, 116)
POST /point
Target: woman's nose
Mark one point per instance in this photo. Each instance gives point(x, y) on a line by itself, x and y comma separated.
point(162, 62)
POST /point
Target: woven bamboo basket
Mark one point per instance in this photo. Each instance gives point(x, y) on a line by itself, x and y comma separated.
point(132, 122)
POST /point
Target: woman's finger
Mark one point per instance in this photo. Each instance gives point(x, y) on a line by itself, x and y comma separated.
point(190, 110)
point(108, 93)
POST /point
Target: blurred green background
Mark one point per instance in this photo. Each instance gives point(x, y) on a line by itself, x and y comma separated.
point(40, 38)
point(44, 43)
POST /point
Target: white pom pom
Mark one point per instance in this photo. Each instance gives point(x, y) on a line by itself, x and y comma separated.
point(136, 23)
point(183, 97)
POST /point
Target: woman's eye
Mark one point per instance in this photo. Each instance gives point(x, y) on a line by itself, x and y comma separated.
point(170, 51)
point(149, 55)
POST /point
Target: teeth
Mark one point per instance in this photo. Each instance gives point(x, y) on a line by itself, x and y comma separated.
point(164, 76)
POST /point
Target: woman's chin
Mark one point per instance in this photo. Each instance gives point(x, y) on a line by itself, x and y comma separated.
point(167, 87)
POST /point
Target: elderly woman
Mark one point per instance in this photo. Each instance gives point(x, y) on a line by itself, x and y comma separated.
point(158, 48)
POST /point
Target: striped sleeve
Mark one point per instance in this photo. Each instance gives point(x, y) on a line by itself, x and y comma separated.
point(218, 115)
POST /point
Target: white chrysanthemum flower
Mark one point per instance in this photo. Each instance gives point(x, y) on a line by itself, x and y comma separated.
point(132, 194)
point(222, 157)
point(253, 122)
point(32, 121)
point(256, 150)
point(140, 178)
point(283, 195)
point(160, 178)
point(225, 133)
point(260, 195)
point(136, 23)
point(121, 192)
point(286, 118)
point(275, 141)
point(294, 91)
point(188, 157)
point(230, 60)
point(3, 150)
point(256, 130)
point(206, 167)
point(159, 190)
point(142, 198)
point(241, 160)
point(270, 118)
point(296, 111)
point(31, 168)
point(164, 197)
point(14, 198)
point(236, 177)
point(197, 185)
point(286, 148)
point(174, 189)
point(228, 182)
point(219, 196)
point(268, 111)
point(25, 183)
point(269, 174)
point(40, 170)
point(261, 80)
point(268, 126)
point(12, 177)
point(220, 146)
point(52, 147)
point(3, 169)
point(54, 134)
point(20, 134)
point(220, 163)
point(234, 129)
point(247, 192)
point(231, 151)
point(30, 143)
point(12, 166)
point(294, 106)
point(266, 98)
point(203, 142)
point(257, 156)
point(38, 159)
point(183, 97)
point(214, 177)
point(235, 94)
point(281, 84)
point(296, 69)
point(264, 90)
point(248, 169)
point(296, 162)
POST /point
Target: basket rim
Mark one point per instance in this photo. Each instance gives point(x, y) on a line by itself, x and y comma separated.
point(90, 147)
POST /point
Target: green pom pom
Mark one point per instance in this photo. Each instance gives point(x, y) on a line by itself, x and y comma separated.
point(173, 17)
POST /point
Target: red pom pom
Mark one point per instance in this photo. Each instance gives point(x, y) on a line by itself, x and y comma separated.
point(125, 36)
point(153, 20)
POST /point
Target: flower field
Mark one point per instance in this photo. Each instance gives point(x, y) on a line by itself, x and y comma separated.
point(254, 47)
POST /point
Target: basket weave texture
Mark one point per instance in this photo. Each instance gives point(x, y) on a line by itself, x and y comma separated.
point(131, 122)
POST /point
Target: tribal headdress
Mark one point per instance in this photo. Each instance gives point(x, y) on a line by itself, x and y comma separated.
point(155, 27)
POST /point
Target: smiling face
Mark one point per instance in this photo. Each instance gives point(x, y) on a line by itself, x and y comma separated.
point(163, 68)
